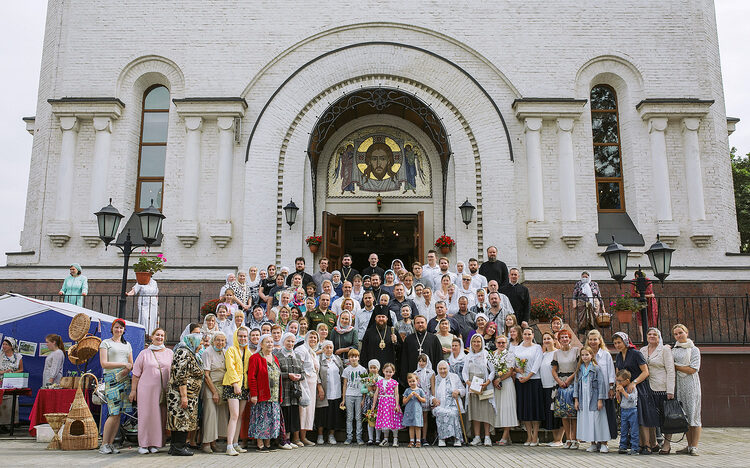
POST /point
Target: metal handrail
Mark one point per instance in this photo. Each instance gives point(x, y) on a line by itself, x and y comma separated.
point(715, 319)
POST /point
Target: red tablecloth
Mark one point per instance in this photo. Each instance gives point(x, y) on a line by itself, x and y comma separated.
point(51, 400)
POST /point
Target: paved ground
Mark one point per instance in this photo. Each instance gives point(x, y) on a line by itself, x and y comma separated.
point(724, 448)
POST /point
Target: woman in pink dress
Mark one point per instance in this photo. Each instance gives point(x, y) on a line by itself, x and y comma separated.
point(386, 402)
point(150, 377)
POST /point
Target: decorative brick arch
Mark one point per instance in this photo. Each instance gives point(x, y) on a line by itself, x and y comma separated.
point(363, 80)
point(295, 108)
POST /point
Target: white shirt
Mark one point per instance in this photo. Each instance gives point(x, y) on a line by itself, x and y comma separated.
point(545, 370)
point(339, 303)
point(533, 355)
point(604, 359)
point(361, 320)
point(478, 281)
point(427, 310)
point(432, 273)
point(469, 293)
point(334, 380)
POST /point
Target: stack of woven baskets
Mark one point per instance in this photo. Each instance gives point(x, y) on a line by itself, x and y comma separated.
point(86, 345)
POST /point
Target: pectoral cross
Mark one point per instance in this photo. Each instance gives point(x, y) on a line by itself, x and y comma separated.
point(419, 350)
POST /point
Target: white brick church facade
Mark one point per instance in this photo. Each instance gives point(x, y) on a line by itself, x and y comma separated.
point(510, 85)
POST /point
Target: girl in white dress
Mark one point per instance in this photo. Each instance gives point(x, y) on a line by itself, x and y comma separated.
point(505, 389)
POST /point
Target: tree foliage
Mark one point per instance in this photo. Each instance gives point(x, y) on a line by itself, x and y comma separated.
point(741, 178)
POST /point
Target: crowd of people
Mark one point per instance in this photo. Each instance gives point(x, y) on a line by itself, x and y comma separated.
point(288, 359)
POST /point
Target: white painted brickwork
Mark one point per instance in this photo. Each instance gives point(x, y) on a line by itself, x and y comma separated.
point(236, 48)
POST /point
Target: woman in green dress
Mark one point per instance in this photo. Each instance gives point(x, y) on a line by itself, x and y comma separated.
point(75, 286)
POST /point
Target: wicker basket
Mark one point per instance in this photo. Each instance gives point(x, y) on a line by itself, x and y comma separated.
point(79, 326)
point(88, 347)
point(603, 320)
point(80, 432)
point(73, 356)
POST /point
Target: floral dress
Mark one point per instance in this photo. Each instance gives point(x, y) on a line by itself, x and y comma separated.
point(389, 413)
point(413, 409)
point(265, 416)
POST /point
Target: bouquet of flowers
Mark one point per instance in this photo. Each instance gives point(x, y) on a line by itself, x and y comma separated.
point(521, 364)
point(314, 240)
point(498, 361)
point(369, 380)
point(370, 416)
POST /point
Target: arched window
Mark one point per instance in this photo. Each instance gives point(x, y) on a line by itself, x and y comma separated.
point(605, 127)
point(152, 148)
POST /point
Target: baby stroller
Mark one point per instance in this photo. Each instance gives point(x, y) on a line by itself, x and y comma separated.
point(128, 431)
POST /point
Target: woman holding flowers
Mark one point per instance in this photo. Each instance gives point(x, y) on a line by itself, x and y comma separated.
point(529, 396)
point(504, 362)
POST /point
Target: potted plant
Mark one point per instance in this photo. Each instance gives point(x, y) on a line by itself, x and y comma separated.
point(313, 242)
point(445, 243)
point(146, 266)
point(624, 306)
point(542, 310)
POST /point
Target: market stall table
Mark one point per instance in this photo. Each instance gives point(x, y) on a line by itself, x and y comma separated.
point(15, 393)
point(52, 400)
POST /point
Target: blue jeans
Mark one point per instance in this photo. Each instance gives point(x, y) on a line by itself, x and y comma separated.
point(629, 428)
point(353, 412)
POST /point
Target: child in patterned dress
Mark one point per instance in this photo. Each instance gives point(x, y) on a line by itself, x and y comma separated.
point(426, 379)
point(373, 367)
point(414, 398)
point(386, 400)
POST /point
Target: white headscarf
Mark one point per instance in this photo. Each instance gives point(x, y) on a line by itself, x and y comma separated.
point(586, 288)
point(481, 356)
point(284, 351)
point(452, 360)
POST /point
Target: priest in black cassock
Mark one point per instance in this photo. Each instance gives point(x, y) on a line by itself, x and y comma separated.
point(419, 342)
point(381, 341)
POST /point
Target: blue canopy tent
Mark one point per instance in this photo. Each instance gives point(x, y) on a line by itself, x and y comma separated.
point(27, 319)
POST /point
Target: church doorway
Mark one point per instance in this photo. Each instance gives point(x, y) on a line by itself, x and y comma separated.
point(390, 236)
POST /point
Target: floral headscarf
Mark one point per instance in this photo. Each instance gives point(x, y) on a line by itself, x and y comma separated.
point(339, 329)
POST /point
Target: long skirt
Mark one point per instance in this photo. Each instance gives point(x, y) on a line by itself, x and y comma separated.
point(648, 414)
point(307, 413)
point(550, 422)
point(215, 416)
point(291, 418)
point(609, 407)
point(592, 425)
point(505, 405)
point(530, 400)
point(447, 421)
point(265, 420)
point(479, 410)
point(331, 417)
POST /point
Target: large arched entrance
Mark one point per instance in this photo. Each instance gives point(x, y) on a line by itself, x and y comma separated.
point(380, 161)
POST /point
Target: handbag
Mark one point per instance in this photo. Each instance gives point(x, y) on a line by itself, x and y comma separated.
point(163, 394)
point(563, 404)
point(487, 393)
point(674, 420)
point(97, 396)
point(304, 399)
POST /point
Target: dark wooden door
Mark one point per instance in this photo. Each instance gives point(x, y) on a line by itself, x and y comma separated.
point(418, 239)
point(333, 239)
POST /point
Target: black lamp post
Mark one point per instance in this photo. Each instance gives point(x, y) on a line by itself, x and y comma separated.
point(150, 221)
point(660, 257)
point(290, 212)
point(467, 211)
